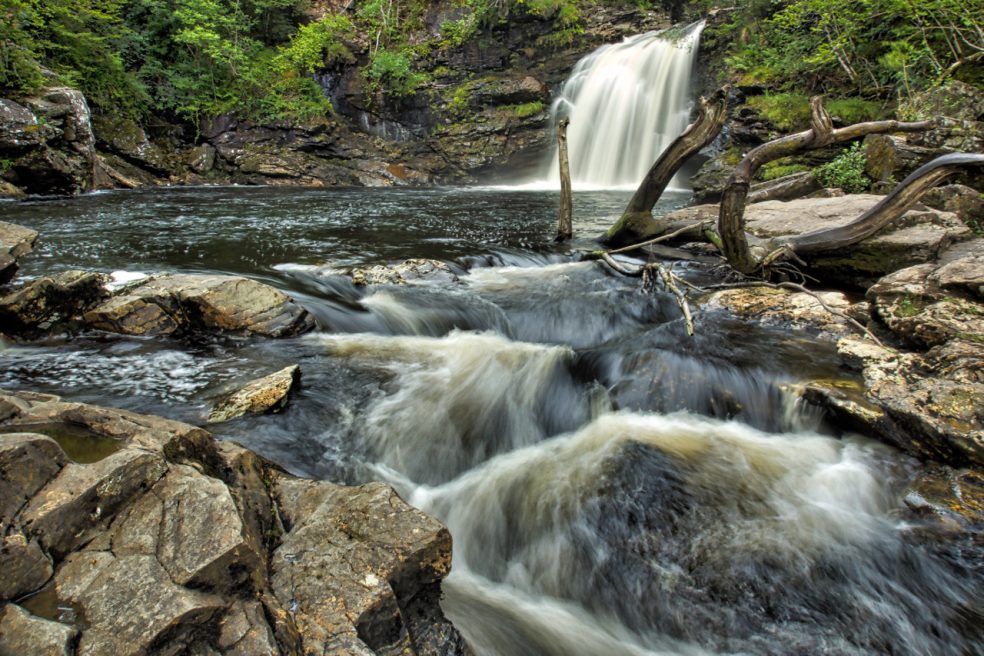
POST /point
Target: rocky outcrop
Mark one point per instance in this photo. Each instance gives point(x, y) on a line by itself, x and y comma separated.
point(922, 396)
point(178, 544)
point(267, 394)
point(15, 242)
point(167, 305)
point(48, 142)
point(51, 301)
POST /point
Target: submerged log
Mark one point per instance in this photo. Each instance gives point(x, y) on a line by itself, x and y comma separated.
point(731, 224)
point(565, 229)
point(636, 221)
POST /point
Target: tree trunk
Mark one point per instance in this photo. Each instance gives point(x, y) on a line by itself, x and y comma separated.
point(636, 222)
point(731, 220)
point(888, 209)
point(564, 227)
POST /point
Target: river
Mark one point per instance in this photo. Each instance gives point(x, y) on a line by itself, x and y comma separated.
point(612, 486)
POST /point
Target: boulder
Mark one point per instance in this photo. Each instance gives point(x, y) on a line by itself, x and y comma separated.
point(131, 604)
point(15, 242)
point(209, 303)
point(61, 160)
point(780, 307)
point(267, 394)
point(190, 522)
point(966, 203)
point(399, 274)
point(52, 302)
point(888, 157)
point(70, 509)
point(928, 304)
point(163, 547)
point(23, 633)
point(27, 463)
point(19, 128)
point(359, 566)
point(124, 137)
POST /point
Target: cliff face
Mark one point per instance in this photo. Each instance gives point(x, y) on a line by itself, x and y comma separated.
point(482, 112)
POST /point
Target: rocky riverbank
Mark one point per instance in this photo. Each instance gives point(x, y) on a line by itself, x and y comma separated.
point(131, 534)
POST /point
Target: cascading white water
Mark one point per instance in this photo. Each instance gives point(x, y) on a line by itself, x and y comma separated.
point(626, 103)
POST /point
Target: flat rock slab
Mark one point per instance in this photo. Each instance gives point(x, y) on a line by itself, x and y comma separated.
point(267, 394)
point(173, 303)
point(52, 300)
point(920, 235)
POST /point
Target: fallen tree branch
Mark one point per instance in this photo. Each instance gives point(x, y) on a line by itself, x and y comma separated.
point(700, 225)
point(731, 218)
point(636, 221)
point(668, 281)
point(890, 208)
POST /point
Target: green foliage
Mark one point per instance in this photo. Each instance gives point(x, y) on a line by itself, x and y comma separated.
point(391, 71)
point(786, 111)
point(846, 171)
point(877, 48)
point(779, 169)
point(319, 45)
point(528, 109)
point(855, 109)
point(20, 71)
point(459, 99)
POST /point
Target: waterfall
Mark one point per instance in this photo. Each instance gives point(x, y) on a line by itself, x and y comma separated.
point(626, 102)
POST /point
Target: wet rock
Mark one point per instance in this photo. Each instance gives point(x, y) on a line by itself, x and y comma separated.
point(180, 442)
point(52, 301)
point(124, 137)
point(934, 415)
point(191, 523)
point(354, 564)
point(208, 303)
point(244, 631)
point(398, 274)
point(923, 305)
point(23, 633)
point(267, 394)
point(949, 495)
point(15, 242)
point(27, 463)
point(506, 91)
point(69, 510)
point(130, 604)
point(781, 307)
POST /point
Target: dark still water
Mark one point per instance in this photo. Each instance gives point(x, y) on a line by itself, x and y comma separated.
point(612, 485)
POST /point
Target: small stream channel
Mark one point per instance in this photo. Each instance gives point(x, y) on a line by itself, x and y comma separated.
point(612, 486)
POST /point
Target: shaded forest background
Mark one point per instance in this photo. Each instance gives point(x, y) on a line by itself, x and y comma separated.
point(196, 59)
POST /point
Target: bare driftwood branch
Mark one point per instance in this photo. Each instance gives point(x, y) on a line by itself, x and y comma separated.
point(709, 121)
point(564, 226)
point(890, 208)
point(731, 219)
point(698, 227)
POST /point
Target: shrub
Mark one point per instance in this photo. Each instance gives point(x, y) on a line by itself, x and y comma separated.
point(846, 171)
